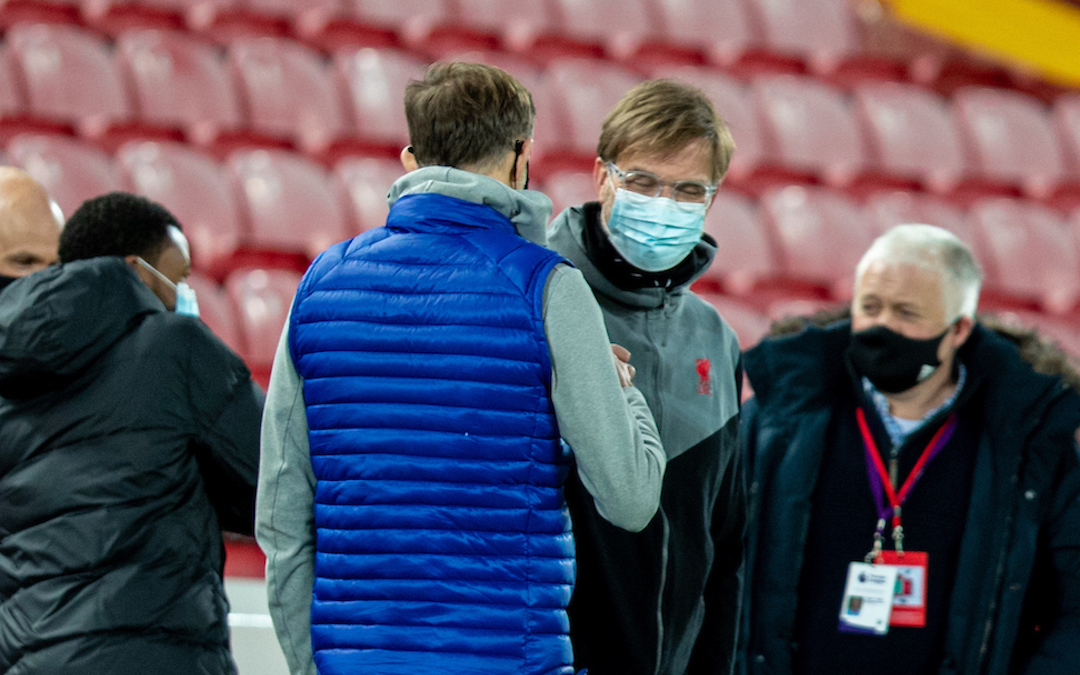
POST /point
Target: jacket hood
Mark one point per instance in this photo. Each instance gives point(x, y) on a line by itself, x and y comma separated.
point(567, 236)
point(528, 210)
point(56, 323)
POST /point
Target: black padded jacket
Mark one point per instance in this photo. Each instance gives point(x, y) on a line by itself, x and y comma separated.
point(128, 441)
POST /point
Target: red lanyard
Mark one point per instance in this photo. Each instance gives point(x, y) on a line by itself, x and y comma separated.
point(882, 486)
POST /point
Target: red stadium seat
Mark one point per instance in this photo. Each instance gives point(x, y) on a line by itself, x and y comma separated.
point(70, 76)
point(744, 253)
point(809, 127)
point(823, 29)
point(292, 204)
point(180, 81)
point(1030, 253)
point(289, 91)
point(1011, 139)
point(721, 29)
point(217, 312)
point(569, 188)
point(427, 26)
point(911, 133)
point(118, 16)
point(71, 171)
point(580, 93)
point(749, 324)
point(11, 102)
point(626, 30)
point(196, 189)
point(886, 209)
point(1067, 117)
point(375, 82)
point(367, 181)
point(15, 118)
point(821, 236)
point(13, 12)
point(262, 298)
point(520, 26)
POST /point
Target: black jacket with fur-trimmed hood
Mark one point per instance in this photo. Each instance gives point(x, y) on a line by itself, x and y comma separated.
point(1012, 605)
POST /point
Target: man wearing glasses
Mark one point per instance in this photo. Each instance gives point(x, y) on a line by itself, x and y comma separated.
point(665, 600)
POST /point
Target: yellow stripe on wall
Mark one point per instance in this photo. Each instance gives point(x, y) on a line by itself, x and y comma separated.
point(1044, 35)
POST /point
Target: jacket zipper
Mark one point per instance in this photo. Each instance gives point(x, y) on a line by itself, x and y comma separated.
point(659, 414)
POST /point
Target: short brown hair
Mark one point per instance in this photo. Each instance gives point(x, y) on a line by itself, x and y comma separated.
point(466, 115)
point(661, 117)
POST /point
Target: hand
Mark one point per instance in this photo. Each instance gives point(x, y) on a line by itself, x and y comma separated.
point(622, 365)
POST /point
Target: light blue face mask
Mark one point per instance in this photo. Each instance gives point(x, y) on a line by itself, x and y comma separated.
point(186, 302)
point(654, 233)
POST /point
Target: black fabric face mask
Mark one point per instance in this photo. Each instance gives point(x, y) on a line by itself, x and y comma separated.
point(893, 363)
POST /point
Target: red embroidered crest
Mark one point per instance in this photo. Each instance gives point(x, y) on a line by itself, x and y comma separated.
point(703, 368)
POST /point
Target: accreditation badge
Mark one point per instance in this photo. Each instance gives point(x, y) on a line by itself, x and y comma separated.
point(868, 598)
point(909, 599)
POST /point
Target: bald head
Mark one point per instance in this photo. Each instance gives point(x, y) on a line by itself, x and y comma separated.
point(30, 224)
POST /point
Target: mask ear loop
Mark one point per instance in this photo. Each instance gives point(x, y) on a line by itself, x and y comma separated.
point(518, 145)
point(156, 272)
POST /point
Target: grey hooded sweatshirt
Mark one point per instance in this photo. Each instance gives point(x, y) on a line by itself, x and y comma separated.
point(620, 460)
point(664, 600)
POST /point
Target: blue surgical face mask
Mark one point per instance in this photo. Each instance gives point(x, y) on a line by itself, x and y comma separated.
point(654, 233)
point(186, 302)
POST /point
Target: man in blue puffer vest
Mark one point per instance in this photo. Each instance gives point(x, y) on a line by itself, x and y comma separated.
point(410, 493)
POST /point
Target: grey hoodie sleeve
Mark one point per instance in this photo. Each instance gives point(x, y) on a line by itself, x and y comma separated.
point(611, 430)
point(285, 511)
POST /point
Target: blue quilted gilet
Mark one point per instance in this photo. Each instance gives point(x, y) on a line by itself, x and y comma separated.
point(443, 542)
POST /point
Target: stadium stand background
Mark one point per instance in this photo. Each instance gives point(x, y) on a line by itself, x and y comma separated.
point(271, 128)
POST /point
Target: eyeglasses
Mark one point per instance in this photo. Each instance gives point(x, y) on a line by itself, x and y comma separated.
point(647, 183)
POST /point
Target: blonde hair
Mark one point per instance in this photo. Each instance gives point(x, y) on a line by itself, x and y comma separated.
point(660, 118)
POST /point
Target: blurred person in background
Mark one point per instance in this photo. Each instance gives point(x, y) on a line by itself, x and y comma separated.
point(128, 441)
point(410, 491)
point(916, 484)
point(30, 226)
point(665, 600)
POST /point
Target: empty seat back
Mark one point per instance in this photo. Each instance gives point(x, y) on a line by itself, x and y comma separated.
point(263, 298)
point(375, 82)
point(218, 313)
point(1010, 137)
point(911, 132)
point(179, 81)
point(196, 189)
point(887, 209)
point(70, 171)
point(1030, 252)
point(569, 188)
point(70, 75)
point(721, 27)
point(821, 235)
point(367, 181)
point(584, 92)
point(1067, 117)
point(809, 126)
point(289, 90)
point(807, 27)
point(743, 251)
point(291, 203)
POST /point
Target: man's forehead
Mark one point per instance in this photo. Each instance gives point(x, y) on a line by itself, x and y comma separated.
point(901, 281)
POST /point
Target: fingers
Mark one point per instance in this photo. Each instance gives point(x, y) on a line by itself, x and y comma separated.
point(620, 352)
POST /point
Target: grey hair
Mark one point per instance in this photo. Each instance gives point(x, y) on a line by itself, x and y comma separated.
point(937, 249)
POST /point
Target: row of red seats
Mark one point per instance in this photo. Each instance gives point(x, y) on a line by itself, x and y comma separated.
point(790, 251)
point(257, 207)
point(982, 141)
point(275, 201)
point(794, 35)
